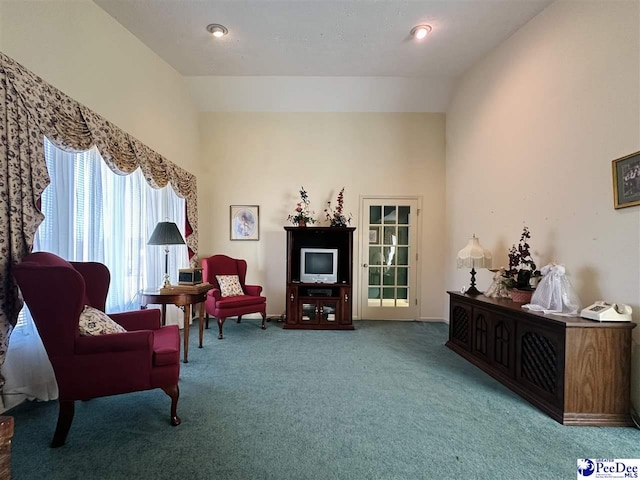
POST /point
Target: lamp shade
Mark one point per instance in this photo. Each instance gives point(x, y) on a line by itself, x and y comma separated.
point(473, 255)
point(166, 233)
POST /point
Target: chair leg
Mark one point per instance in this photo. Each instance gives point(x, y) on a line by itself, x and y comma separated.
point(220, 323)
point(264, 317)
point(174, 392)
point(239, 319)
point(206, 325)
point(65, 417)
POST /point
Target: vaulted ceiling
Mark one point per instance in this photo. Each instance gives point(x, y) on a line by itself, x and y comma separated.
point(359, 38)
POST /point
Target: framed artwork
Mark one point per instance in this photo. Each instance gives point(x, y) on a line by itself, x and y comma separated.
point(626, 181)
point(244, 222)
point(374, 237)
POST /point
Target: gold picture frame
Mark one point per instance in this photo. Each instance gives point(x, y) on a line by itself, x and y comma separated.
point(626, 181)
point(244, 222)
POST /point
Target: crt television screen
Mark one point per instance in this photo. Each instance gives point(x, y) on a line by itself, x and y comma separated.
point(319, 263)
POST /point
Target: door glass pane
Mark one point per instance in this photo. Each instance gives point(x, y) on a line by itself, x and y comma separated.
point(374, 275)
point(403, 235)
point(389, 214)
point(403, 276)
point(403, 255)
point(403, 215)
point(389, 255)
point(375, 255)
point(389, 276)
point(388, 293)
point(390, 237)
point(403, 297)
point(374, 235)
point(374, 297)
point(375, 214)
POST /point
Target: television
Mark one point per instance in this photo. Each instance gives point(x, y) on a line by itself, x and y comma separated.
point(319, 265)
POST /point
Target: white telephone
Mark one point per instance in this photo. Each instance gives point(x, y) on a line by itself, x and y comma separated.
point(607, 312)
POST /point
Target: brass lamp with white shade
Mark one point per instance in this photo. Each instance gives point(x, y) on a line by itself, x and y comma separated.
point(166, 233)
point(474, 256)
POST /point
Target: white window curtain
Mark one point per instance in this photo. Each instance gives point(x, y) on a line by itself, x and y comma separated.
point(93, 214)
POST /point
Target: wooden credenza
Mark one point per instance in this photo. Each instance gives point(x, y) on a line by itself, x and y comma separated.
point(575, 370)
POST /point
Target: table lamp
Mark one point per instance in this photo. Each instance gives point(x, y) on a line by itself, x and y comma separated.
point(166, 233)
point(472, 256)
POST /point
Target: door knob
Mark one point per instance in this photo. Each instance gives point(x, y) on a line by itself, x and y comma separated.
point(365, 265)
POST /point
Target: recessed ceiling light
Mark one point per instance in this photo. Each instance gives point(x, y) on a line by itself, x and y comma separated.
point(420, 31)
point(217, 30)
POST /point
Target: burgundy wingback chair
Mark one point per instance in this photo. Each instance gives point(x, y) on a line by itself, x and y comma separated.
point(147, 356)
point(222, 307)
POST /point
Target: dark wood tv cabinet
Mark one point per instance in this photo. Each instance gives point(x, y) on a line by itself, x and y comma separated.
point(319, 306)
point(575, 370)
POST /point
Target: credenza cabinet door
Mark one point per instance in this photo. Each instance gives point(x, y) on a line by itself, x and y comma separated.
point(460, 323)
point(503, 344)
point(493, 340)
point(540, 364)
point(481, 332)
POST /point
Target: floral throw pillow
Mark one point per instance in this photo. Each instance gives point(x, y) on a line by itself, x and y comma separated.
point(95, 322)
point(229, 285)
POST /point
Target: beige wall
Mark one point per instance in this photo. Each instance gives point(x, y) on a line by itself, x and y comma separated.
point(75, 46)
point(531, 133)
point(263, 159)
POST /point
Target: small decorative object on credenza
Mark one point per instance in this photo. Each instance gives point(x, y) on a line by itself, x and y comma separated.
point(554, 293)
point(472, 256)
point(303, 214)
point(498, 289)
point(521, 269)
point(166, 233)
point(336, 217)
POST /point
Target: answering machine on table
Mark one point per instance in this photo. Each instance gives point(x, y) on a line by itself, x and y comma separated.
point(607, 312)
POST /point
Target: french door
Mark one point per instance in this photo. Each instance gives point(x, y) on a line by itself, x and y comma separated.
point(389, 260)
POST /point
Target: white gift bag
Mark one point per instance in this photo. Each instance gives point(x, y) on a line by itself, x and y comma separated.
point(554, 293)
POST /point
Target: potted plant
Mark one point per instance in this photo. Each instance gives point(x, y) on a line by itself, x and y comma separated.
point(336, 217)
point(302, 214)
point(522, 269)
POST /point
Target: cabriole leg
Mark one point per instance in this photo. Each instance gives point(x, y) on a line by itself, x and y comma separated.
point(65, 417)
point(220, 323)
point(174, 392)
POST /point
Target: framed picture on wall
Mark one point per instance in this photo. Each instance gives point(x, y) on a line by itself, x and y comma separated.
point(626, 181)
point(244, 222)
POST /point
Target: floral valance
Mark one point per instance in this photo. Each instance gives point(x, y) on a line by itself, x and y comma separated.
point(71, 126)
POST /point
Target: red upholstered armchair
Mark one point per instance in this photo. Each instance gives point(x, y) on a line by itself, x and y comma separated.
point(222, 307)
point(146, 356)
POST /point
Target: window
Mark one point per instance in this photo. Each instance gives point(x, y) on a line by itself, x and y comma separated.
point(93, 214)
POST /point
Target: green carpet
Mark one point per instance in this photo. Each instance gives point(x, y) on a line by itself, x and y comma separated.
point(386, 401)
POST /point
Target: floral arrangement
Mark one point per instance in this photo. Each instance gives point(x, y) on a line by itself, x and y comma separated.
point(336, 217)
point(521, 264)
point(303, 214)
